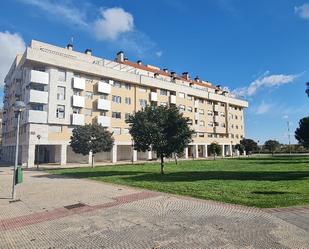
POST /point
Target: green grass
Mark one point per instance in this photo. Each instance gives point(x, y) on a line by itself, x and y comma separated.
point(260, 182)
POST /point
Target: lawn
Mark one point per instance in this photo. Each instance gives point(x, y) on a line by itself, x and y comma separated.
point(259, 182)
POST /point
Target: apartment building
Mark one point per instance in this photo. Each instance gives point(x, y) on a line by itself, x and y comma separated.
point(63, 88)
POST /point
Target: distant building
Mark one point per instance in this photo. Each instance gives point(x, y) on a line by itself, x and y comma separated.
point(63, 88)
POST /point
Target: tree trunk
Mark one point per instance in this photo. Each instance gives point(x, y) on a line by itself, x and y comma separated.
point(92, 160)
point(176, 161)
point(162, 165)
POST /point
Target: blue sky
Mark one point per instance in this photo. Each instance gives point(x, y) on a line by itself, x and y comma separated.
point(258, 49)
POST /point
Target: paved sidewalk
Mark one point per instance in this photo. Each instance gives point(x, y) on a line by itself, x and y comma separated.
point(56, 212)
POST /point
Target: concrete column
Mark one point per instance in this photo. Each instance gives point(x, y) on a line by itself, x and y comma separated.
point(134, 155)
point(245, 153)
point(231, 150)
point(186, 153)
point(63, 154)
point(114, 154)
point(206, 151)
point(149, 155)
point(196, 151)
point(223, 150)
point(90, 158)
point(30, 154)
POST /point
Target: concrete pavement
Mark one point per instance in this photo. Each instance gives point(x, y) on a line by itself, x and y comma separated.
point(56, 212)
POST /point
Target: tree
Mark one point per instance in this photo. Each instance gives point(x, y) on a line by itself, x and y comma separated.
point(307, 90)
point(162, 129)
point(240, 148)
point(91, 138)
point(271, 145)
point(302, 132)
point(214, 149)
point(249, 144)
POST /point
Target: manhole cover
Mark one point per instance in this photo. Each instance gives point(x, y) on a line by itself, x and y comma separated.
point(77, 205)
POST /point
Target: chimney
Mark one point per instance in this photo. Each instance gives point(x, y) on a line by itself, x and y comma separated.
point(70, 46)
point(173, 74)
point(156, 75)
point(120, 56)
point(125, 59)
point(197, 79)
point(88, 51)
point(185, 75)
point(165, 70)
point(139, 62)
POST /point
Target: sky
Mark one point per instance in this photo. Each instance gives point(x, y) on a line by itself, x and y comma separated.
point(258, 49)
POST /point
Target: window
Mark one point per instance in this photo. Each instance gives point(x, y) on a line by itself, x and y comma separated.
point(182, 108)
point(143, 89)
point(116, 115)
point(36, 107)
point(190, 122)
point(223, 125)
point(88, 95)
point(237, 127)
point(126, 131)
point(117, 84)
point(60, 92)
point(61, 75)
point(143, 103)
point(201, 111)
point(209, 135)
point(128, 86)
point(222, 114)
point(210, 113)
point(60, 112)
point(209, 102)
point(222, 104)
point(190, 97)
point(201, 134)
point(103, 96)
point(77, 93)
point(202, 123)
point(201, 101)
point(103, 113)
point(181, 95)
point(55, 128)
point(76, 110)
point(116, 99)
point(127, 115)
point(163, 103)
point(88, 112)
point(163, 92)
point(236, 117)
point(211, 124)
point(189, 109)
point(127, 100)
point(116, 131)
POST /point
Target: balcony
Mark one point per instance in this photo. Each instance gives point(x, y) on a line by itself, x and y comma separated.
point(78, 83)
point(78, 119)
point(35, 116)
point(173, 99)
point(37, 77)
point(78, 101)
point(216, 118)
point(104, 87)
point(216, 108)
point(104, 121)
point(153, 96)
point(35, 96)
point(104, 104)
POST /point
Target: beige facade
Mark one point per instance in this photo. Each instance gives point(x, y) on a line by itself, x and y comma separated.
point(63, 88)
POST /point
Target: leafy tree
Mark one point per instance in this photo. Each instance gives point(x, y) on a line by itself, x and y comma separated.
point(240, 148)
point(214, 149)
point(164, 129)
point(307, 90)
point(249, 144)
point(271, 145)
point(302, 132)
point(91, 138)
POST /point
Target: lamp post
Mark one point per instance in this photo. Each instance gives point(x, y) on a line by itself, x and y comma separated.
point(19, 107)
point(259, 149)
point(232, 149)
point(132, 145)
point(289, 136)
point(38, 152)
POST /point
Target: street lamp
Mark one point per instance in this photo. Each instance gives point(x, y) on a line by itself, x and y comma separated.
point(232, 149)
point(259, 149)
point(38, 152)
point(289, 136)
point(19, 107)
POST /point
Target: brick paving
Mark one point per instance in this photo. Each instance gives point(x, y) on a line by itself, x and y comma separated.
point(111, 216)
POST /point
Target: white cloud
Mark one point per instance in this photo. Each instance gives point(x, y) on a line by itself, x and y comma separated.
point(262, 108)
point(113, 22)
point(265, 81)
point(63, 11)
point(10, 45)
point(302, 11)
point(159, 53)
